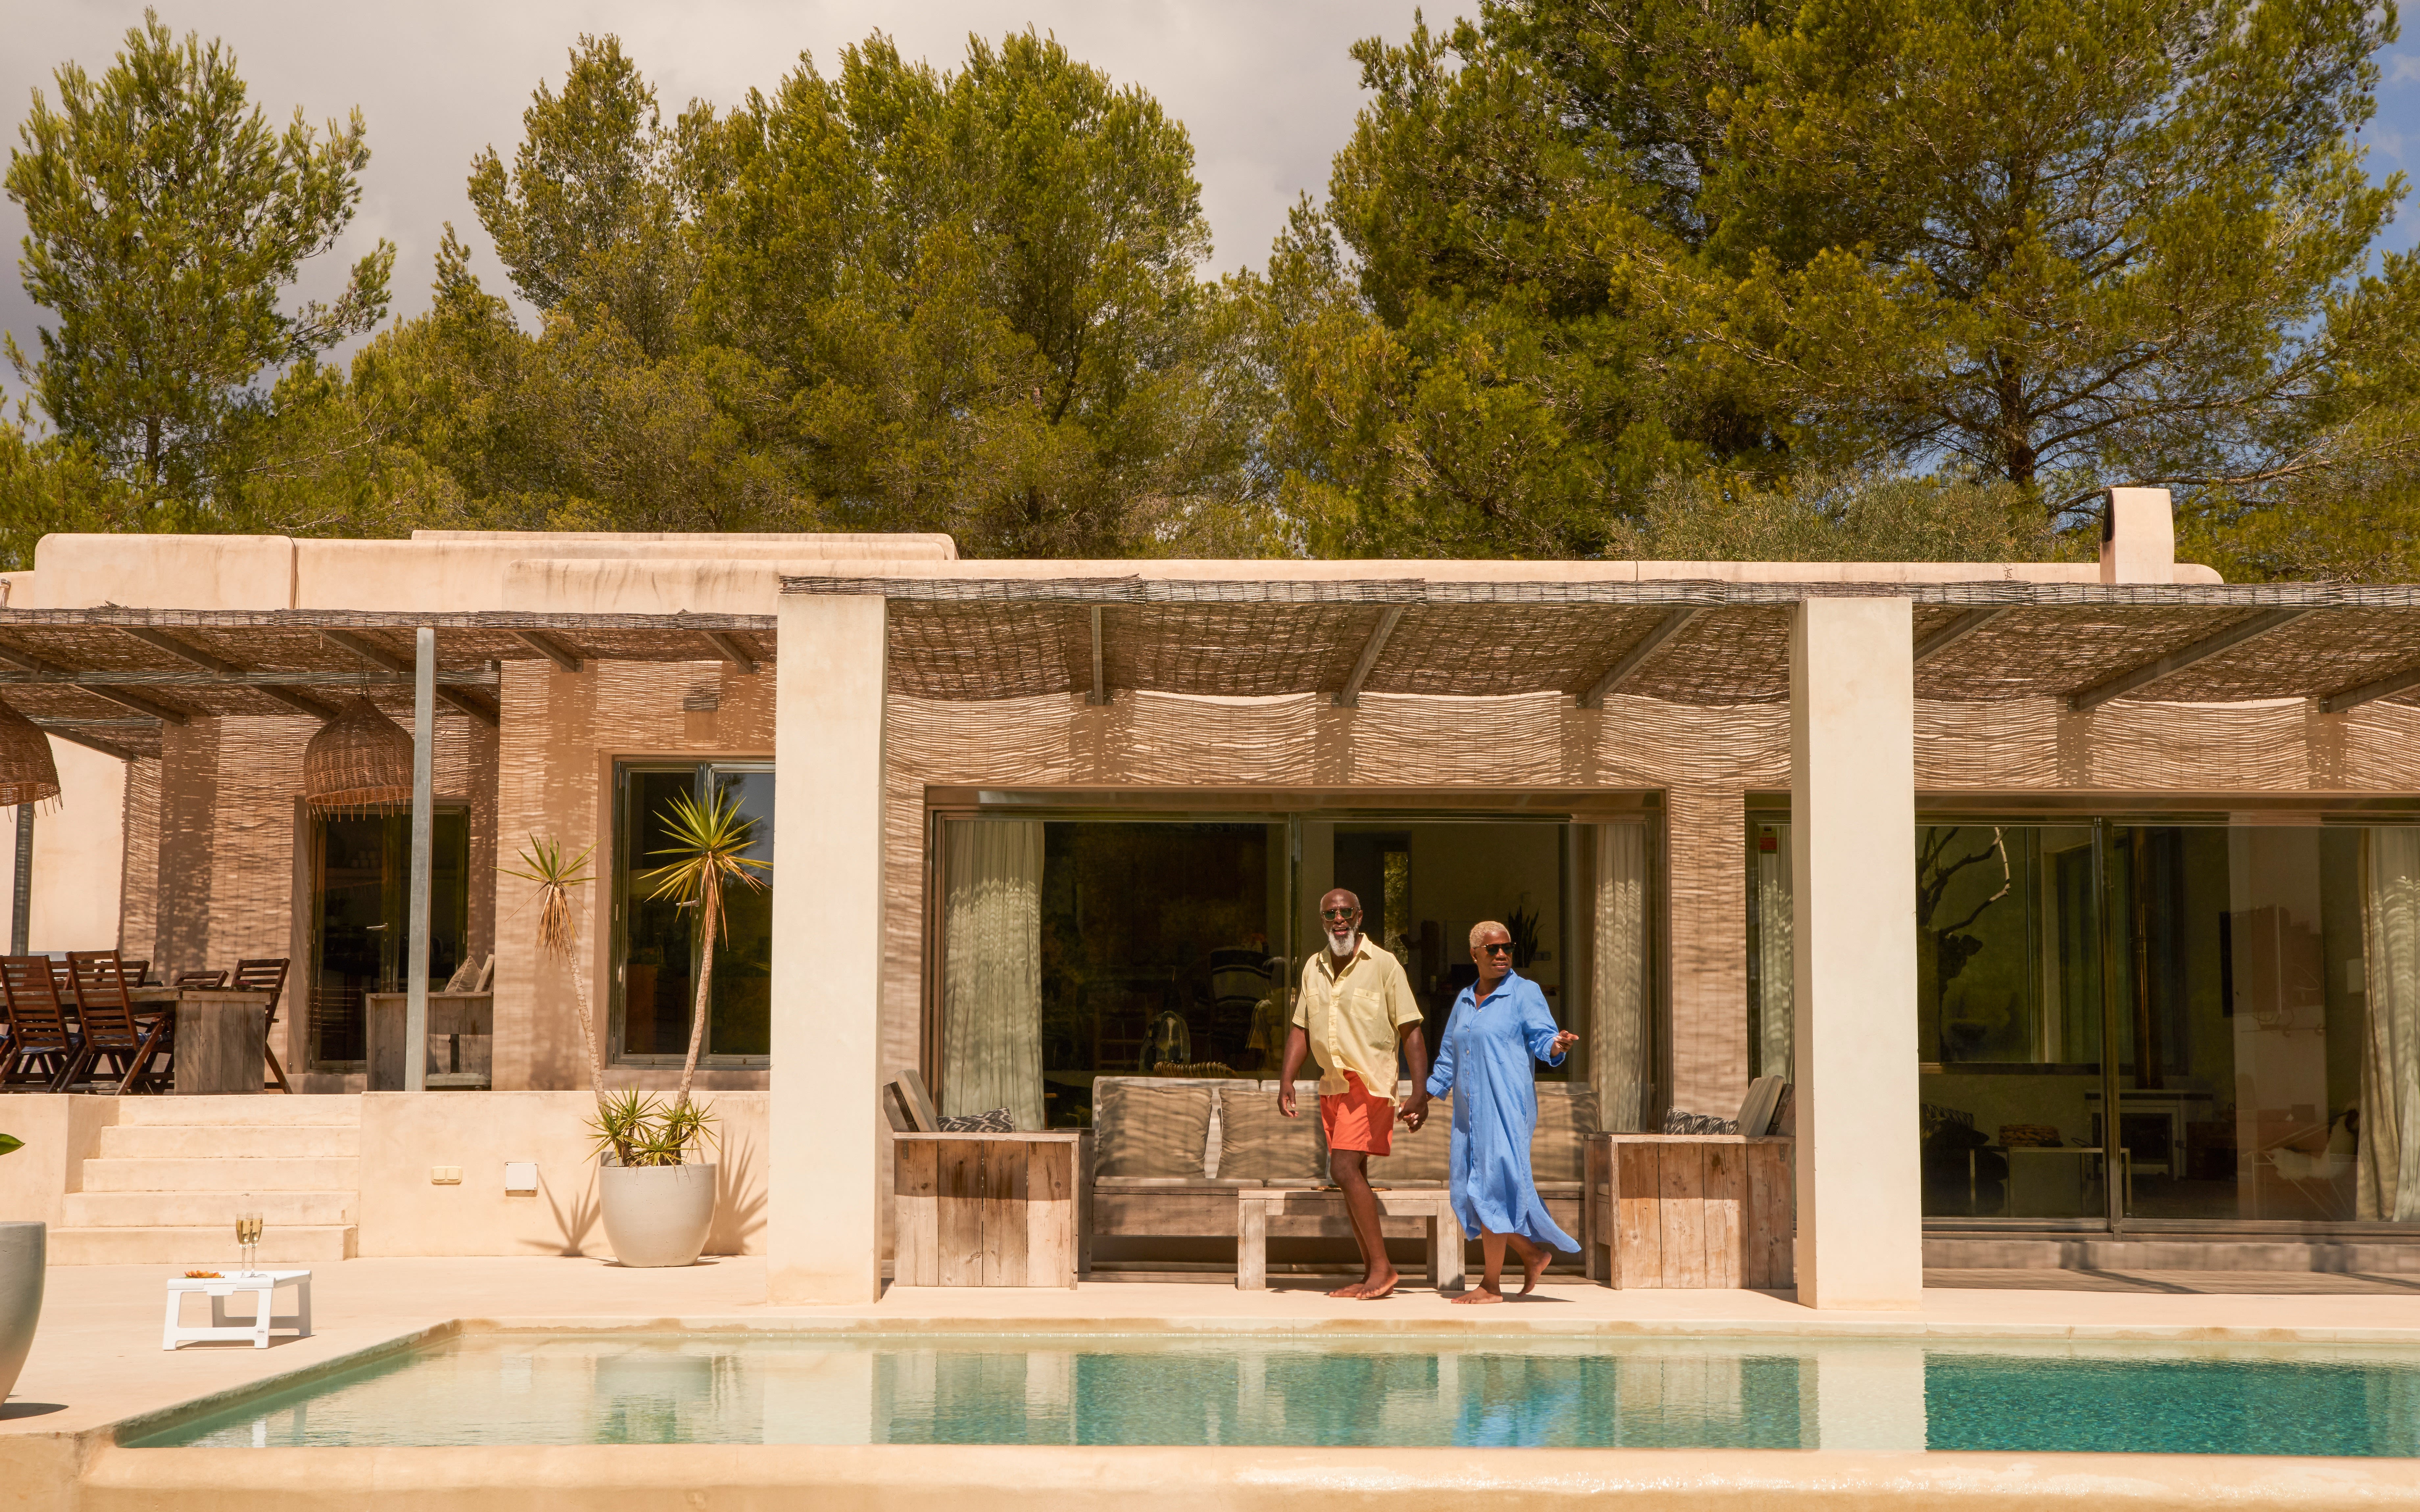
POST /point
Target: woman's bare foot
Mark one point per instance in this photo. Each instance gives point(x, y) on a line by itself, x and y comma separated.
point(1480, 1293)
point(1532, 1266)
point(1377, 1291)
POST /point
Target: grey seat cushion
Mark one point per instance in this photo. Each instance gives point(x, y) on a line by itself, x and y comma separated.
point(1150, 1126)
point(1261, 1145)
point(1423, 1156)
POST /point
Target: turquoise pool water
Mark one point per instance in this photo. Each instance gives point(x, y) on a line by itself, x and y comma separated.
point(709, 1388)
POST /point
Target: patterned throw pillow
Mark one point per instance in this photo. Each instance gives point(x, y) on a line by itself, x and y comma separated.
point(996, 1121)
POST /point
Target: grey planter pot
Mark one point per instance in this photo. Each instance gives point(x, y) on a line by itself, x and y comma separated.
point(656, 1215)
point(25, 1249)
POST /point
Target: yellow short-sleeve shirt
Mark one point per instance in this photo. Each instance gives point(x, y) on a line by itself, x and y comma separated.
point(1350, 1011)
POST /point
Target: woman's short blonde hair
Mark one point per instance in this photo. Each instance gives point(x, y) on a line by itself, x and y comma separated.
point(1479, 931)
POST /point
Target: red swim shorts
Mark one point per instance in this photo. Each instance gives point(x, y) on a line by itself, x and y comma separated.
point(1356, 1119)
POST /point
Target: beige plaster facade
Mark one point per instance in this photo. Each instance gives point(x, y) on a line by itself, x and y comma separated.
point(211, 865)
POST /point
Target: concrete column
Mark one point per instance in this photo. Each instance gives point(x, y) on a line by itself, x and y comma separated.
point(1853, 864)
point(424, 820)
point(824, 1230)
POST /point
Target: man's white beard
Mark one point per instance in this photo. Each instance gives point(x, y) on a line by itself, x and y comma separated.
point(1343, 947)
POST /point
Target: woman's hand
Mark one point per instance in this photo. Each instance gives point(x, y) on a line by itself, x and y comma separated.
point(1563, 1041)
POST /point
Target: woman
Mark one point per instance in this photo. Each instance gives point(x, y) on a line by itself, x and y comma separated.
point(1497, 1025)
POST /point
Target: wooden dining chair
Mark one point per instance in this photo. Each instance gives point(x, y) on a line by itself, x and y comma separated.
point(201, 978)
point(40, 1043)
point(266, 974)
point(111, 1029)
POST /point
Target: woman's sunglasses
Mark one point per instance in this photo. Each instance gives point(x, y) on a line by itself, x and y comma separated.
point(1501, 947)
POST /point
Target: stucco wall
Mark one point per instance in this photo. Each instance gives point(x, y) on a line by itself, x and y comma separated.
point(406, 1134)
point(79, 853)
point(59, 1133)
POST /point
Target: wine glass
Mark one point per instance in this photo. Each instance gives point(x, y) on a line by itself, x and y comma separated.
point(247, 1233)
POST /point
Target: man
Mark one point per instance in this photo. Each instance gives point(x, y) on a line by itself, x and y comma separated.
point(1356, 1008)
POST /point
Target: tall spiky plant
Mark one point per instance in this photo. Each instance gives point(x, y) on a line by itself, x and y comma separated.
point(708, 840)
point(555, 879)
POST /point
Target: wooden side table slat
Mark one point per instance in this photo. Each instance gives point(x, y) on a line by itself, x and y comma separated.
point(985, 1210)
point(1689, 1211)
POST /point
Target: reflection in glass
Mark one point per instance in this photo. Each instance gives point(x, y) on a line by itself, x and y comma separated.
point(2008, 1023)
point(659, 945)
point(360, 914)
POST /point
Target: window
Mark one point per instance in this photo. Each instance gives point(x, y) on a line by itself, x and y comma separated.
point(1075, 948)
point(2245, 996)
point(656, 939)
point(361, 917)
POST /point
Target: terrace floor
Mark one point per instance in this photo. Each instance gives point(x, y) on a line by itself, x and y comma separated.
point(98, 1358)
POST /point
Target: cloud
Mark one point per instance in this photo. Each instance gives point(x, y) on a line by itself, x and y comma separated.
point(1264, 85)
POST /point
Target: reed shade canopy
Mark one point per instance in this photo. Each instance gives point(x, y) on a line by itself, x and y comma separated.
point(27, 772)
point(361, 760)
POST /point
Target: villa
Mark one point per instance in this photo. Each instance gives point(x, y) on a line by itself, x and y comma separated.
point(2079, 902)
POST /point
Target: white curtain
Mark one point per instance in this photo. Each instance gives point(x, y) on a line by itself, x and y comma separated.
point(991, 983)
point(1774, 955)
point(1622, 1040)
point(2388, 1174)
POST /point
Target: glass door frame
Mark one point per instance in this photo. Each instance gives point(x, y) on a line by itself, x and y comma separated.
point(2117, 963)
point(314, 900)
point(618, 931)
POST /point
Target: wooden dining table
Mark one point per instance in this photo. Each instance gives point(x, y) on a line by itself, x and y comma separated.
point(222, 1036)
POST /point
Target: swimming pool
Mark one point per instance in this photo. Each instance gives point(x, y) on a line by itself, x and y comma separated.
point(508, 1388)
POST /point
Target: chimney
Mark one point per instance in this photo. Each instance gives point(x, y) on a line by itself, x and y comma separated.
point(2138, 537)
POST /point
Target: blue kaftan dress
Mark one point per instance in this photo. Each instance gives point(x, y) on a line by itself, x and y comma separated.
point(1483, 1060)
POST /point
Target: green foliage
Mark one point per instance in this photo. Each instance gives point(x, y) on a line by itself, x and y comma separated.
point(9, 1144)
point(165, 218)
point(639, 1129)
point(555, 879)
point(1714, 516)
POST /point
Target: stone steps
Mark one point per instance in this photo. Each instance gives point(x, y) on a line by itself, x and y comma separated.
point(164, 1182)
point(170, 1245)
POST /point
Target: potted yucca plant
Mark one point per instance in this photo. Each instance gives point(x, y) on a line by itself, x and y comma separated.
point(657, 1200)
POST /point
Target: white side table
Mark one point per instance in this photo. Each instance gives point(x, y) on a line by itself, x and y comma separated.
point(263, 1287)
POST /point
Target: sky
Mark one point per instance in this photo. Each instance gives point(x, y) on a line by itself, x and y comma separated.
point(1265, 87)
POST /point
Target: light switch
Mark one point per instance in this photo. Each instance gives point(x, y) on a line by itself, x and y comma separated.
point(520, 1175)
point(445, 1176)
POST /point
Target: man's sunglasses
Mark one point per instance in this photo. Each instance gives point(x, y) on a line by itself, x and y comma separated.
point(1338, 913)
point(1499, 947)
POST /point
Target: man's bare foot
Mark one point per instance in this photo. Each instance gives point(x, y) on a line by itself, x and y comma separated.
point(1480, 1294)
point(1351, 1293)
point(1375, 1290)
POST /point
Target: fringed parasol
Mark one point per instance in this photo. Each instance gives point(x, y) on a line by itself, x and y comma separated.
point(27, 773)
point(361, 760)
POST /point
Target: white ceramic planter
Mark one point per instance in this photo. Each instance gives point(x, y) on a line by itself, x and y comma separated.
point(23, 1251)
point(656, 1215)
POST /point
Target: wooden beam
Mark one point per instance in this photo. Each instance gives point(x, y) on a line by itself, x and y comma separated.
point(72, 732)
point(734, 649)
point(50, 671)
point(1351, 695)
point(2353, 698)
point(1100, 693)
point(548, 647)
point(379, 655)
point(161, 640)
point(1637, 656)
point(2184, 656)
point(1957, 630)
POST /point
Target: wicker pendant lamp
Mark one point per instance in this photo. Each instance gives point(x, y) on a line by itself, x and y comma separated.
point(360, 761)
point(27, 773)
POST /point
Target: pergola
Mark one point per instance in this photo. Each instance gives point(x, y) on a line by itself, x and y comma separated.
point(112, 678)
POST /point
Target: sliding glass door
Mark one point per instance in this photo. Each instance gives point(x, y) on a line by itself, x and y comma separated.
point(1077, 946)
point(361, 919)
point(658, 938)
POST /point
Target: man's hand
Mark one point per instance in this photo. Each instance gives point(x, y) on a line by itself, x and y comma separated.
point(1563, 1041)
point(1416, 1109)
point(1285, 1098)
